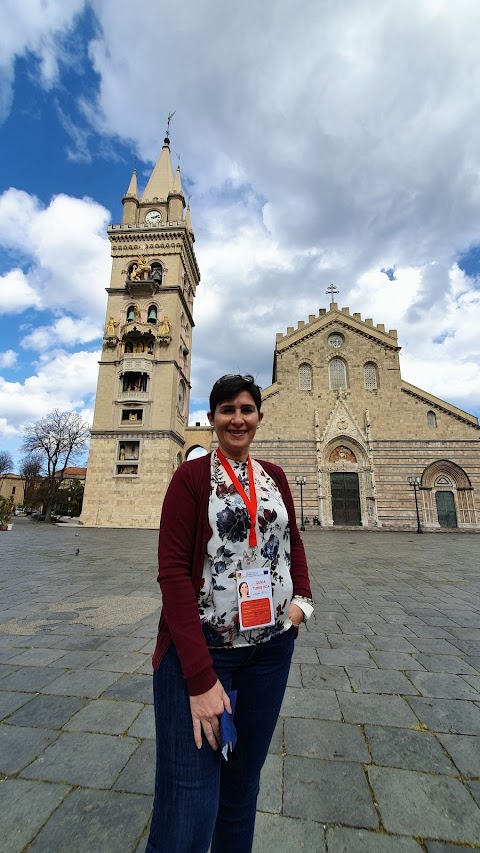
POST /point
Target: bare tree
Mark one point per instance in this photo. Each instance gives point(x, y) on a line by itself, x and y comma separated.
point(57, 438)
point(6, 463)
point(30, 470)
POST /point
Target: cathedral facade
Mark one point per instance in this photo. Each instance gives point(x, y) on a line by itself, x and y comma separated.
point(360, 446)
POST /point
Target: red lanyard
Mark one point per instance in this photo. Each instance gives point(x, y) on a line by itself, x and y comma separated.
point(250, 502)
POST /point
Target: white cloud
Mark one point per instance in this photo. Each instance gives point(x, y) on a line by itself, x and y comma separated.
point(37, 27)
point(198, 416)
point(8, 358)
point(63, 381)
point(65, 331)
point(64, 250)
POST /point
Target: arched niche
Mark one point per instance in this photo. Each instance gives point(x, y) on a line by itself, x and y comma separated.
point(450, 470)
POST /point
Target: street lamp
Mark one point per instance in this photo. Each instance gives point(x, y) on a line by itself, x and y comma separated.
point(301, 481)
point(414, 482)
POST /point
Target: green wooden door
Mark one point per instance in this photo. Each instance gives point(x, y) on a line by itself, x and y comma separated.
point(447, 516)
point(345, 498)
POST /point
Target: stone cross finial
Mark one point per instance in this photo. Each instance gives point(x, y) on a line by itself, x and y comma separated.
point(332, 290)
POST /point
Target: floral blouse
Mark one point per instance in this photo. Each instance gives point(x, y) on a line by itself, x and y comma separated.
point(228, 551)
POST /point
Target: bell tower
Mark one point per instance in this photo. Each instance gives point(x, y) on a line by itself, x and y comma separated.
point(141, 408)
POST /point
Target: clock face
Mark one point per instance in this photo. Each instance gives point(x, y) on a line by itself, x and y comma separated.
point(181, 396)
point(153, 217)
point(335, 341)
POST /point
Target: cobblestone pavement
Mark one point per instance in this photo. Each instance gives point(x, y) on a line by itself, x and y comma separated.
point(377, 749)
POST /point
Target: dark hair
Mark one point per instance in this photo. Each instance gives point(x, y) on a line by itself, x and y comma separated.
point(230, 385)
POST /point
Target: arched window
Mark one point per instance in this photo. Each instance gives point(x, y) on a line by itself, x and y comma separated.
point(130, 313)
point(156, 273)
point(338, 374)
point(305, 377)
point(152, 314)
point(370, 377)
point(432, 419)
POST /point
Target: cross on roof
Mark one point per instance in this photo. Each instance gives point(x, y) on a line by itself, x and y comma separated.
point(332, 290)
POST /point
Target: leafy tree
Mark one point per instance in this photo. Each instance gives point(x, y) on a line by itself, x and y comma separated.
point(57, 438)
point(30, 470)
point(6, 509)
point(69, 501)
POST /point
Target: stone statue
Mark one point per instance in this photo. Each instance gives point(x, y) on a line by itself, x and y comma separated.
point(111, 325)
point(165, 328)
point(141, 269)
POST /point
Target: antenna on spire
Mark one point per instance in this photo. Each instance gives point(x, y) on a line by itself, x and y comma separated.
point(178, 158)
point(332, 291)
point(189, 195)
point(135, 165)
point(169, 118)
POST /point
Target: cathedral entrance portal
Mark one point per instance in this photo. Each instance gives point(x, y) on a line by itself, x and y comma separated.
point(447, 516)
point(345, 498)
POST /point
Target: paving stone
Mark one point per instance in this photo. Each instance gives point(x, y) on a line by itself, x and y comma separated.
point(408, 749)
point(376, 709)
point(30, 679)
point(275, 833)
point(49, 712)
point(304, 654)
point(448, 686)
point(83, 642)
point(325, 739)
point(295, 676)
point(104, 716)
point(89, 683)
point(445, 663)
point(37, 657)
point(125, 644)
point(437, 807)
point(345, 657)
point(396, 660)
point(77, 659)
point(434, 633)
point(465, 751)
point(474, 788)
point(138, 775)
point(311, 791)
point(276, 744)
point(435, 647)
point(18, 824)
point(379, 681)
point(349, 641)
point(144, 725)
point(392, 644)
point(9, 702)
point(341, 839)
point(271, 782)
point(311, 702)
point(133, 688)
point(120, 661)
point(6, 669)
point(95, 821)
point(440, 847)
point(474, 661)
point(474, 681)
point(447, 715)
point(19, 745)
point(80, 758)
point(329, 677)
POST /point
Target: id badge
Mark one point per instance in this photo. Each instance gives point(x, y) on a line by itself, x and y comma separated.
point(255, 600)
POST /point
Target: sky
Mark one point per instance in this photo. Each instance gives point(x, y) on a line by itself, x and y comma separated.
point(320, 142)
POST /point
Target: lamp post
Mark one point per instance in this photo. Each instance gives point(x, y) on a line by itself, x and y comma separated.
point(301, 481)
point(414, 482)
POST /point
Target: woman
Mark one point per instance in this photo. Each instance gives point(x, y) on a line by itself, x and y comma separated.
point(225, 518)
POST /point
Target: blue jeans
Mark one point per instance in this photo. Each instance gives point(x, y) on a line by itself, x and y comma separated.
point(200, 799)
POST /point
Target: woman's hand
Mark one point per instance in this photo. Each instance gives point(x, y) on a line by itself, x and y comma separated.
point(206, 708)
point(295, 614)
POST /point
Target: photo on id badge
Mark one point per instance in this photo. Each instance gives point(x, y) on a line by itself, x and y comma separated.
point(255, 602)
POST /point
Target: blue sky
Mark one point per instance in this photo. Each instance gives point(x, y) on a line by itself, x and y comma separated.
point(316, 148)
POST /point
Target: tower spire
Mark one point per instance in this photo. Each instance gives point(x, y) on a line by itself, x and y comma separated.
point(160, 182)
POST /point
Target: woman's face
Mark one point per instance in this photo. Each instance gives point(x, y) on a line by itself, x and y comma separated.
point(243, 590)
point(235, 422)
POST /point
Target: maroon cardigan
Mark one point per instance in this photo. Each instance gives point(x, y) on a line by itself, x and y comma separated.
point(182, 545)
